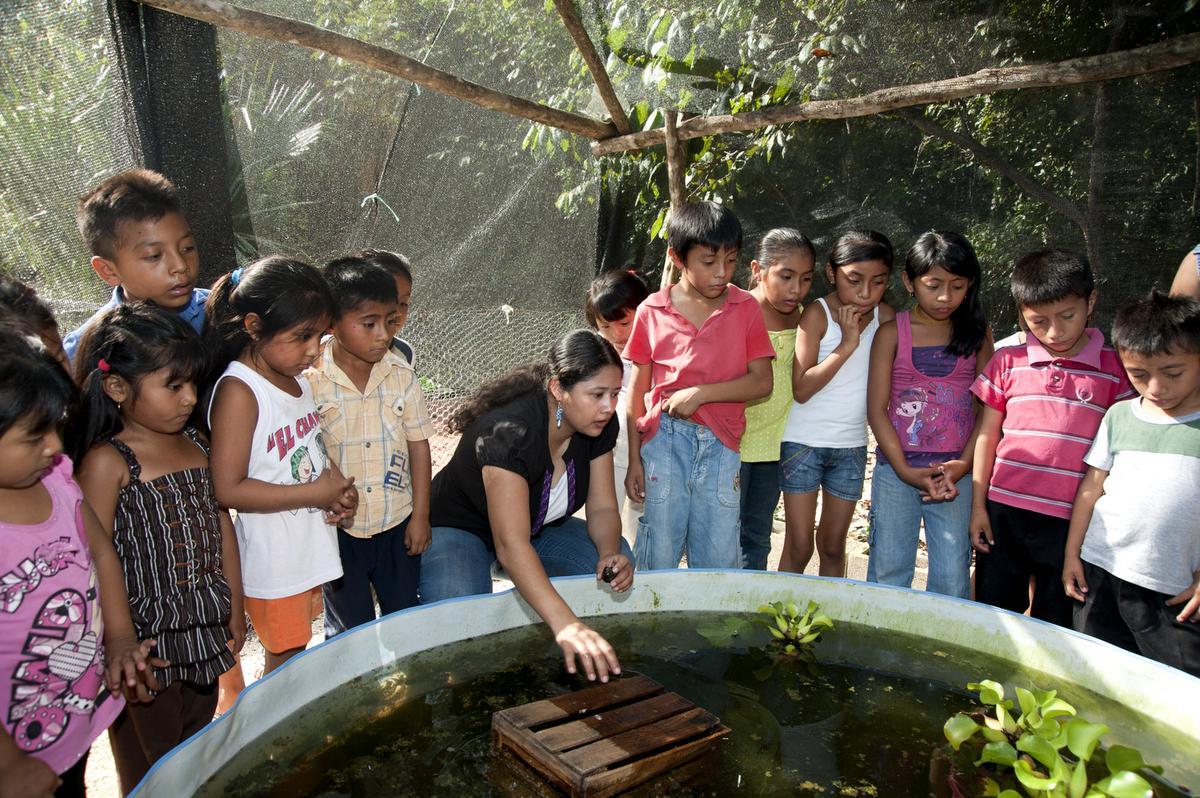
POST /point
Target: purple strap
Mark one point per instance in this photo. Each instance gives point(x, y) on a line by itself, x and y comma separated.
point(544, 504)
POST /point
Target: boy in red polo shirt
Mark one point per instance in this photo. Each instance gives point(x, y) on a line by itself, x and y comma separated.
point(1042, 404)
point(700, 349)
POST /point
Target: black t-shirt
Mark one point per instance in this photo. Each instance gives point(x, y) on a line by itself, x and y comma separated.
point(513, 437)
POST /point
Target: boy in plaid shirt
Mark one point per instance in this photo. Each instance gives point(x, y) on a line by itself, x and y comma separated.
point(374, 421)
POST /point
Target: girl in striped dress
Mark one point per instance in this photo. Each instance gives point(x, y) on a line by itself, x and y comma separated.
point(144, 469)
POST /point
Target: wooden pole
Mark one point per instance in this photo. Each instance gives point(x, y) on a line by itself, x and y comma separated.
point(1170, 54)
point(574, 25)
point(282, 29)
point(676, 177)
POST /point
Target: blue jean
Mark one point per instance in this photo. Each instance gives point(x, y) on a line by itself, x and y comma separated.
point(806, 469)
point(457, 563)
point(760, 497)
point(896, 515)
point(693, 500)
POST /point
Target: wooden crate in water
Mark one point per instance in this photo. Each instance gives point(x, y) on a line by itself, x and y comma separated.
point(606, 739)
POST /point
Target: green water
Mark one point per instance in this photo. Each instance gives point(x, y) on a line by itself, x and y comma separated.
point(854, 722)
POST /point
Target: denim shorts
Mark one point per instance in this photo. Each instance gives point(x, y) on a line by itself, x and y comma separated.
point(804, 469)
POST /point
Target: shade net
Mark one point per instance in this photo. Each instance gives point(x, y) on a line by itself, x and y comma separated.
point(506, 222)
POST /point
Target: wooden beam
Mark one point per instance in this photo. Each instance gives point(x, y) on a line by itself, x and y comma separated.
point(676, 177)
point(595, 65)
point(282, 29)
point(1170, 54)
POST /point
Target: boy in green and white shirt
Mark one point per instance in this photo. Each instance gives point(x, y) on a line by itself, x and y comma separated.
point(1133, 549)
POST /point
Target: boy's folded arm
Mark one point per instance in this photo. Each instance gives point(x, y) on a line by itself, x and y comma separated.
point(754, 384)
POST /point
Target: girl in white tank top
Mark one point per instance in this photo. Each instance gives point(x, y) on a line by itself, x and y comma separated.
point(263, 326)
point(825, 440)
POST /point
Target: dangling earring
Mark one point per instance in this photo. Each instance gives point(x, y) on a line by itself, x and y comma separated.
point(558, 417)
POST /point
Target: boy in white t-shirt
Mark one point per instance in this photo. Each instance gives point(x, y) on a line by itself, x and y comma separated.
point(1133, 548)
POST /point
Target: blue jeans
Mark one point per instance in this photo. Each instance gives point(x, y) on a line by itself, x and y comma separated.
point(806, 469)
point(457, 563)
point(896, 515)
point(760, 497)
point(693, 501)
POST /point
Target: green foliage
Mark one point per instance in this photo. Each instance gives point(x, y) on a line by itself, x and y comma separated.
point(1045, 746)
point(794, 630)
point(59, 102)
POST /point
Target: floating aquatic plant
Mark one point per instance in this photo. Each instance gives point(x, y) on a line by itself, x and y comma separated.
point(793, 629)
point(1046, 747)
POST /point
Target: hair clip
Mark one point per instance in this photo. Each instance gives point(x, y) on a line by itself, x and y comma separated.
point(102, 364)
point(235, 276)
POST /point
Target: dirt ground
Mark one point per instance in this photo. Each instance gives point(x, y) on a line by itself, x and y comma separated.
point(102, 776)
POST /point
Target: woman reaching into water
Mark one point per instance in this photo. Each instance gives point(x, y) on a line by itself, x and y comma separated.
point(536, 447)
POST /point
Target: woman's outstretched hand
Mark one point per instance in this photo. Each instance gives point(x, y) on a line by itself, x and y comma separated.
point(617, 570)
point(579, 641)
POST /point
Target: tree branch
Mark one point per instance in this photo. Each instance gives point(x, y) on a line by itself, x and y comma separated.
point(595, 65)
point(1170, 54)
point(282, 29)
point(998, 164)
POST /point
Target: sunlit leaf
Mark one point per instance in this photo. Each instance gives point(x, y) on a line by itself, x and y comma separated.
point(959, 729)
point(1120, 757)
point(1083, 737)
point(990, 692)
point(1039, 749)
point(1001, 753)
point(1125, 784)
point(1030, 778)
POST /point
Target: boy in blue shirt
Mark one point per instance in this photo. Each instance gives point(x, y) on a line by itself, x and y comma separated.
point(141, 245)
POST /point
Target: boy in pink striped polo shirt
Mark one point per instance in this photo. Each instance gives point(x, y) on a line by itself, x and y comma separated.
point(1042, 404)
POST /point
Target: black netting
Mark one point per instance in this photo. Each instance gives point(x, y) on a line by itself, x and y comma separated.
point(506, 221)
point(61, 129)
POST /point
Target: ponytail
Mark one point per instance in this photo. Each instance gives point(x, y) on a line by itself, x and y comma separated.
point(280, 291)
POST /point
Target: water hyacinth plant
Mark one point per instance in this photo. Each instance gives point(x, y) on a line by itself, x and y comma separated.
point(794, 629)
point(1046, 747)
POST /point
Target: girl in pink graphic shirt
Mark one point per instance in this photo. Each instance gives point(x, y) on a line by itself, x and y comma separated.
point(67, 644)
